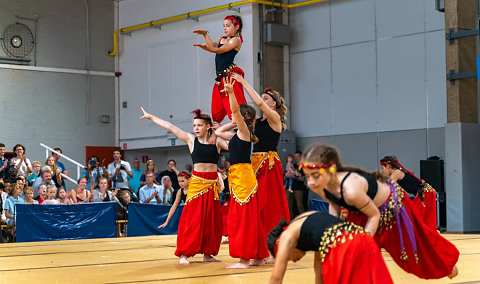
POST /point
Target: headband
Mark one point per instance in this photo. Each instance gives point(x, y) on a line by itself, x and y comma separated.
point(275, 248)
point(183, 175)
point(267, 91)
point(198, 115)
point(321, 168)
point(236, 22)
point(402, 167)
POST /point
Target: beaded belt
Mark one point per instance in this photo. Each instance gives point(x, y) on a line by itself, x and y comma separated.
point(336, 235)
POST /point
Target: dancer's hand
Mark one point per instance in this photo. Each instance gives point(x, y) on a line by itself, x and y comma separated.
point(200, 32)
point(146, 115)
point(201, 45)
point(216, 125)
point(228, 85)
point(237, 77)
point(163, 225)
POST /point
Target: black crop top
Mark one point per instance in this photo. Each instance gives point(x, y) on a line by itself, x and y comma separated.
point(239, 150)
point(371, 191)
point(268, 138)
point(204, 153)
point(312, 230)
point(410, 184)
point(223, 60)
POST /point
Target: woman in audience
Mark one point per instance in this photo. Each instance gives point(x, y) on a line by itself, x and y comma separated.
point(62, 196)
point(56, 172)
point(183, 181)
point(150, 167)
point(94, 171)
point(167, 191)
point(51, 194)
point(80, 194)
point(102, 193)
point(200, 228)
point(20, 160)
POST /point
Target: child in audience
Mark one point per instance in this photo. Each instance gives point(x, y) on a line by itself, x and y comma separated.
point(289, 169)
point(51, 194)
point(62, 197)
point(3, 198)
point(28, 193)
point(42, 194)
point(123, 197)
point(36, 166)
point(12, 200)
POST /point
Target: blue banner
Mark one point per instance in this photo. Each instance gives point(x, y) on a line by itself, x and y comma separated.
point(66, 222)
point(318, 205)
point(144, 219)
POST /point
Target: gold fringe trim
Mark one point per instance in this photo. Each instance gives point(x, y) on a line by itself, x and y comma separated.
point(336, 235)
point(210, 184)
point(259, 158)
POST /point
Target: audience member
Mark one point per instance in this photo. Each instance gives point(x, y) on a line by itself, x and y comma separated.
point(4, 196)
point(11, 202)
point(62, 196)
point(137, 174)
point(94, 171)
point(42, 194)
point(188, 168)
point(299, 197)
point(28, 193)
point(289, 172)
point(224, 164)
point(171, 172)
point(150, 167)
point(149, 192)
point(60, 165)
point(3, 160)
point(36, 167)
point(80, 194)
point(119, 170)
point(20, 160)
point(45, 179)
point(56, 172)
point(51, 195)
point(122, 209)
point(102, 193)
point(167, 191)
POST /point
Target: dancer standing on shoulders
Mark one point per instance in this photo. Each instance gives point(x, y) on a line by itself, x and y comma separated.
point(265, 161)
point(425, 196)
point(200, 227)
point(225, 48)
point(379, 205)
point(245, 228)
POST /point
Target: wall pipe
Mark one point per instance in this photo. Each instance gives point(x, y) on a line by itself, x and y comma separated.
point(202, 12)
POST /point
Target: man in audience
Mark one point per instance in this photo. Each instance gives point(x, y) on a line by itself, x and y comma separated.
point(3, 160)
point(137, 174)
point(60, 165)
point(118, 171)
point(46, 179)
point(149, 193)
point(172, 173)
point(224, 164)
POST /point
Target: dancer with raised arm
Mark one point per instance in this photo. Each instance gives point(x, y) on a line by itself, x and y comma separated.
point(200, 227)
point(344, 253)
point(265, 160)
point(225, 48)
point(379, 205)
point(245, 228)
point(425, 199)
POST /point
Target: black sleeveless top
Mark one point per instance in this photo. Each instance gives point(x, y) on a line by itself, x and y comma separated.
point(268, 138)
point(410, 184)
point(371, 191)
point(223, 60)
point(204, 153)
point(313, 228)
point(183, 196)
point(239, 150)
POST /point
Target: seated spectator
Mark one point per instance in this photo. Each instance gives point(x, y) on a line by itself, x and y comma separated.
point(28, 193)
point(36, 167)
point(56, 172)
point(150, 167)
point(42, 194)
point(62, 196)
point(102, 193)
point(51, 195)
point(118, 171)
point(94, 171)
point(80, 194)
point(171, 172)
point(3, 198)
point(167, 191)
point(11, 202)
point(20, 161)
point(124, 198)
point(45, 179)
point(3, 161)
point(137, 175)
point(60, 165)
point(149, 192)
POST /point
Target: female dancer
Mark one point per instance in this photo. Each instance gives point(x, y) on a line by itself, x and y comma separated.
point(344, 253)
point(265, 161)
point(245, 228)
point(380, 206)
point(183, 181)
point(200, 227)
point(425, 196)
point(225, 48)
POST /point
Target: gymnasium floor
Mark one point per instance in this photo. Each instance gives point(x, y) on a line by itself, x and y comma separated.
point(150, 260)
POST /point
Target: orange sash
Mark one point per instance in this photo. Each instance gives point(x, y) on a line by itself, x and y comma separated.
point(258, 158)
point(199, 186)
point(243, 182)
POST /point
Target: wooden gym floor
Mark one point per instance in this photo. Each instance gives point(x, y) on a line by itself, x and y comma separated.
point(150, 260)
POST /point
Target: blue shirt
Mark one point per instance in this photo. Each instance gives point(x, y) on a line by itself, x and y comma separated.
point(145, 192)
point(31, 178)
point(10, 205)
point(135, 180)
point(96, 174)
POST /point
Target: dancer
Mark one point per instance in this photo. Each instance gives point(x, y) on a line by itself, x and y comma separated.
point(344, 253)
point(183, 181)
point(225, 48)
point(200, 227)
point(245, 228)
point(380, 206)
point(425, 199)
point(265, 160)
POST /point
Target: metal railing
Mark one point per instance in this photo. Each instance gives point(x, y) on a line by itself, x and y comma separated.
point(80, 167)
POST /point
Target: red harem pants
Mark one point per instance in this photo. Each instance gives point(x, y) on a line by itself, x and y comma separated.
point(272, 198)
point(225, 209)
point(200, 227)
point(245, 228)
point(436, 255)
point(427, 210)
point(358, 260)
point(220, 101)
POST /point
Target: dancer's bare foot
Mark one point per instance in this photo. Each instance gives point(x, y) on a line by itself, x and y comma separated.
point(242, 264)
point(270, 260)
point(257, 262)
point(183, 260)
point(209, 258)
point(454, 272)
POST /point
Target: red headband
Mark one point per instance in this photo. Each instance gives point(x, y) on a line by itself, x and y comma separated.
point(236, 22)
point(402, 167)
point(183, 175)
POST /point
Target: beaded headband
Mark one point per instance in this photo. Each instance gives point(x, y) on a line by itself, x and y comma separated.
point(321, 168)
point(402, 167)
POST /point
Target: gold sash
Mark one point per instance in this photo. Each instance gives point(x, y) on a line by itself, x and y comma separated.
point(199, 186)
point(243, 182)
point(258, 158)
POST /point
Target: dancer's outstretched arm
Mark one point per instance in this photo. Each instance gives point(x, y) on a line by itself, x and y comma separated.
point(243, 132)
point(224, 131)
point(182, 135)
point(173, 208)
point(209, 45)
point(286, 243)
